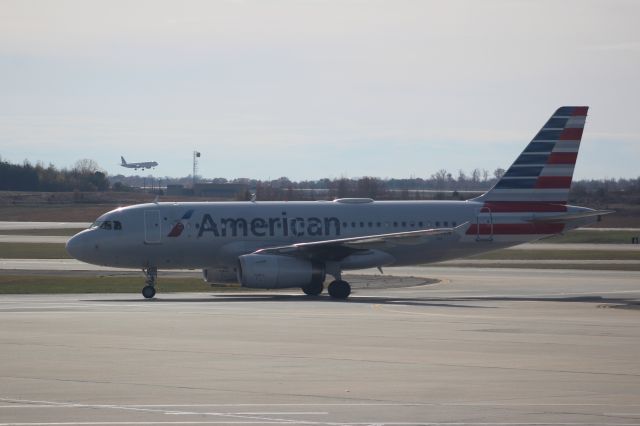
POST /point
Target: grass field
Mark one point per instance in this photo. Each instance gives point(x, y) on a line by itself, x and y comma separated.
point(560, 255)
point(43, 284)
point(579, 266)
point(86, 207)
point(68, 232)
point(57, 251)
point(32, 251)
point(592, 237)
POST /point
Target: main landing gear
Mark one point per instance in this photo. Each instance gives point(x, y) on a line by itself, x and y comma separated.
point(339, 289)
point(313, 289)
point(151, 276)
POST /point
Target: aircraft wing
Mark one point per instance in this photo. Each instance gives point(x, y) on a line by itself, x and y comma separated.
point(340, 248)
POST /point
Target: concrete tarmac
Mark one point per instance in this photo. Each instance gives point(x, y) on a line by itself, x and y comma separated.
point(483, 346)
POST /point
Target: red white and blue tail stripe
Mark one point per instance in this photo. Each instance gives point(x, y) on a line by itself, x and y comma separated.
point(543, 172)
point(531, 197)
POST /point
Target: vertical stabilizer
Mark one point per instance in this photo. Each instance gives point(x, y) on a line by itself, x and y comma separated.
point(543, 172)
point(124, 162)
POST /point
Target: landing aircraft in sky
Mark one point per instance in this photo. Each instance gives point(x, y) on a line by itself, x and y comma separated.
point(136, 166)
point(270, 245)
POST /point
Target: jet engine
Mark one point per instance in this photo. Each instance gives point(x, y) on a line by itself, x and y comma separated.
point(274, 271)
point(220, 275)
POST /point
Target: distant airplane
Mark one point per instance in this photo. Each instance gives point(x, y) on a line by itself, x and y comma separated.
point(136, 166)
point(297, 244)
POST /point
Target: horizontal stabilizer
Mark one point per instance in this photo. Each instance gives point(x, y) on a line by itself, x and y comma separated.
point(570, 216)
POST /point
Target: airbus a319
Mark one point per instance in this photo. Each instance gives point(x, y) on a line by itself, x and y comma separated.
point(269, 245)
point(136, 166)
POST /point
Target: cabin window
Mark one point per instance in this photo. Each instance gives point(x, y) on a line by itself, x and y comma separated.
point(370, 224)
point(378, 224)
point(395, 224)
point(353, 224)
point(345, 225)
point(404, 224)
point(420, 224)
point(437, 224)
point(445, 223)
point(454, 224)
point(361, 224)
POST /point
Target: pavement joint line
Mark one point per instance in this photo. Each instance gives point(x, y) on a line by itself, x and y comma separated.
point(106, 423)
point(435, 404)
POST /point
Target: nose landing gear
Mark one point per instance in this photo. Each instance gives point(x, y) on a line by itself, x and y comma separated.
point(151, 275)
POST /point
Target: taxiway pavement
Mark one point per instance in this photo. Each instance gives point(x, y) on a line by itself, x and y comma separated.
point(483, 346)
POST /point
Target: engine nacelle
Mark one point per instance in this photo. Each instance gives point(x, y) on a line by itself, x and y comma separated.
point(273, 271)
point(220, 275)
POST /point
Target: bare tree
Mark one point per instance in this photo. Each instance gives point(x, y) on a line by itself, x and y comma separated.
point(87, 166)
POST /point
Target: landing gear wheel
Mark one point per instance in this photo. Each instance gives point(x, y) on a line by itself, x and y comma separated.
point(313, 289)
point(151, 276)
point(339, 289)
point(148, 292)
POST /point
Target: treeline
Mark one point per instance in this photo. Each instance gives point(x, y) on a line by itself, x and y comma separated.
point(606, 191)
point(440, 185)
point(87, 176)
point(84, 176)
point(442, 180)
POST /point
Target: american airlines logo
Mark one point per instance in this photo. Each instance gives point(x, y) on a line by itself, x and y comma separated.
point(179, 226)
point(269, 226)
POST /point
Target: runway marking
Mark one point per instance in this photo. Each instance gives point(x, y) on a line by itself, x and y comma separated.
point(23, 403)
point(251, 417)
point(280, 413)
point(323, 423)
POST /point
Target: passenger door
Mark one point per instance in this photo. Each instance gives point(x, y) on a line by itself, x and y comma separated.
point(152, 227)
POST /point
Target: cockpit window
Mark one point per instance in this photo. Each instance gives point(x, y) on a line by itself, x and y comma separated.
point(108, 225)
point(96, 224)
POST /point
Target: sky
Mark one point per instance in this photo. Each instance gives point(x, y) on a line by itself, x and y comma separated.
point(312, 89)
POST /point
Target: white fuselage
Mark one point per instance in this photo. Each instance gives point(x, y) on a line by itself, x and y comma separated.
point(214, 235)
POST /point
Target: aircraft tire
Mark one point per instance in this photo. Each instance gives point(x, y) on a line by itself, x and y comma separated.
point(339, 289)
point(148, 292)
point(313, 289)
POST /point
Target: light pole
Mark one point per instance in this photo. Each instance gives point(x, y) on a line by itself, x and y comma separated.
point(196, 155)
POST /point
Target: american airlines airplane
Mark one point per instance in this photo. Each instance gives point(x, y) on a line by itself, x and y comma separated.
point(269, 245)
point(136, 166)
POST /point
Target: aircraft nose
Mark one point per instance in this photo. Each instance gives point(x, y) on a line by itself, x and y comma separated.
point(77, 246)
